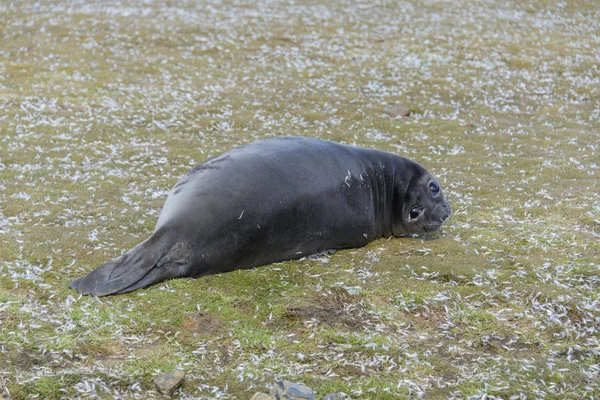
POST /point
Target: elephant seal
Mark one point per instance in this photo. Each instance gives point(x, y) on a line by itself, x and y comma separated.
point(274, 200)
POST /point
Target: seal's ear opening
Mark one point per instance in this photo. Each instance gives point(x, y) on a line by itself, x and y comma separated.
point(435, 189)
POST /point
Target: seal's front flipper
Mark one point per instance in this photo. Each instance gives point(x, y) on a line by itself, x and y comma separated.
point(145, 264)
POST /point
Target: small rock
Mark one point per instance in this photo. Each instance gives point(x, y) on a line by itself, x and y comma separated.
point(335, 396)
point(397, 110)
point(262, 396)
point(286, 390)
point(168, 383)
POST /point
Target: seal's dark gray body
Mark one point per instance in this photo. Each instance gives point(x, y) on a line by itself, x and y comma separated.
point(275, 200)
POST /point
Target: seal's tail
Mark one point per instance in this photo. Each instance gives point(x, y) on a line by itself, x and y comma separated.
point(141, 266)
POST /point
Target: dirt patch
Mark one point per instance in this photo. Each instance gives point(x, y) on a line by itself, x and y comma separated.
point(351, 370)
point(114, 348)
point(338, 308)
point(24, 360)
point(203, 323)
point(421, 319)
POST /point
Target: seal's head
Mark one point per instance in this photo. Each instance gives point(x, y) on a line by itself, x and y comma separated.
point(422, 207)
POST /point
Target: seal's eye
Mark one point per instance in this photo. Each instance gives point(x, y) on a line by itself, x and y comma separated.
point(435, 188)
point(415, 212)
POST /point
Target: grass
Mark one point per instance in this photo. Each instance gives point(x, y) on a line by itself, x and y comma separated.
point(104, 107)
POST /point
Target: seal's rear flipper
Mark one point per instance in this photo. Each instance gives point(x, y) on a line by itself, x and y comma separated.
point(155, 275)
point(75, 282)
point(147, 263)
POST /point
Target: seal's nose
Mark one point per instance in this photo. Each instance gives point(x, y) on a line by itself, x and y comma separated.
point(448, 212)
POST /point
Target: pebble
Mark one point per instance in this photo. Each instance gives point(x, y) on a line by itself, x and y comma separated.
point(286, 390)
point(168, 382)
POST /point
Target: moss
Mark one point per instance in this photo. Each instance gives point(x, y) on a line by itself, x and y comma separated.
point(101, 111)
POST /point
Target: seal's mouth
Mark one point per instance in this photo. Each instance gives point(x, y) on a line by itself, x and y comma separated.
point(435, 225)
point(432, 227)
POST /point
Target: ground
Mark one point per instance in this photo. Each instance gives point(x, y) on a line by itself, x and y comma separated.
point(104, 105)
